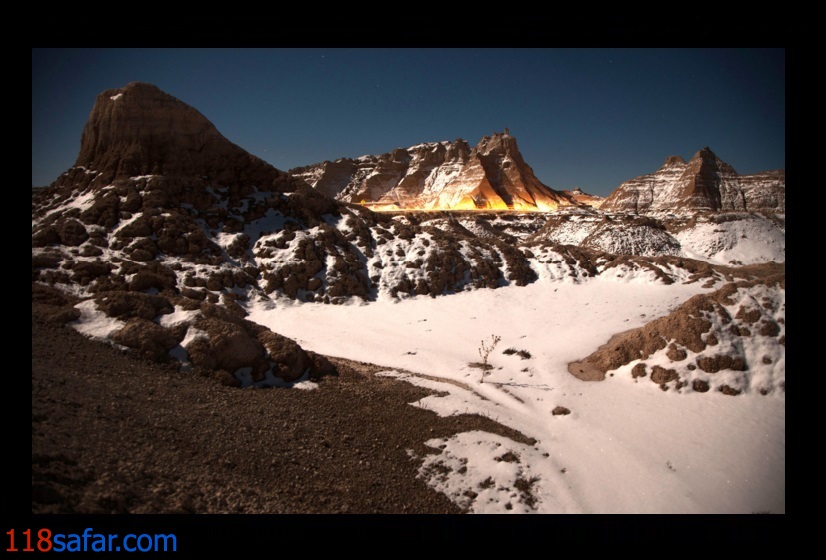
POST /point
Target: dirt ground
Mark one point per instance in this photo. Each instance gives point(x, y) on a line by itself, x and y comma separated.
point(112, 433)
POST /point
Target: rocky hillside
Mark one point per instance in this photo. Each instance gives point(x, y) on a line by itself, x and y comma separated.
point(163, 226)
point(705, 183)
point(163, 229)
point(438, 176)
point(718, 237)
point(732, 340)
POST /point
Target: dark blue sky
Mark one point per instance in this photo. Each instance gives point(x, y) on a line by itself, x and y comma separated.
point(591, 118)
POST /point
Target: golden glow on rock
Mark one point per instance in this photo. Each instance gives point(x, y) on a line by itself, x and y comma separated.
point(496, 204)
point(467, 203)
point(375, 207)
point(547, 206)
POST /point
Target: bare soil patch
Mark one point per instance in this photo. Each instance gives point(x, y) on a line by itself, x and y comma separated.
point(114, 433)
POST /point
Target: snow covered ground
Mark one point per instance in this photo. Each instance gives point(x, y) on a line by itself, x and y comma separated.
point(625, 447)
point(749, 240)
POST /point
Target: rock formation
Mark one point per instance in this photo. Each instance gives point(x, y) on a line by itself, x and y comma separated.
point(729, 340)
point(704, 183)
point(583, 198)
point(438, 176)
point(140, 130)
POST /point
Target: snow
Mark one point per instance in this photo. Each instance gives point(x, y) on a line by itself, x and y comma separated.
point(77, 200)
point(750, 240)
point(431, 146)
point(273, 221)
point(95, 323)
point(550, 265)
point(81, 202)
point(476, 464)
point(177, 317)
point(124, 223)
point(116, 97)
point(626, 447)
point(571, 233)
point(224, 240)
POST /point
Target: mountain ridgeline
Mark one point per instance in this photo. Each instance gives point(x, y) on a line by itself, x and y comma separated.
point(439, 176)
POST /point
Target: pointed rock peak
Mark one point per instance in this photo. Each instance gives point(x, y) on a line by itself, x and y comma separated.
point(705, 183)
point(673, 160)
point(707, 158)
point(498, 142)
point(705, 153)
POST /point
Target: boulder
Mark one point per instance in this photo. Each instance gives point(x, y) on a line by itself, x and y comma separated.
point(147, 337)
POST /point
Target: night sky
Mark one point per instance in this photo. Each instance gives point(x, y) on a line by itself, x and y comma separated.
point(589, 118)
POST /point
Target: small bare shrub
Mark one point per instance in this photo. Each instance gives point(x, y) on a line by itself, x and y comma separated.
point(485, 350)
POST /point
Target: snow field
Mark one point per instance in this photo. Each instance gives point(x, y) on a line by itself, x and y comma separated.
point(625, 448)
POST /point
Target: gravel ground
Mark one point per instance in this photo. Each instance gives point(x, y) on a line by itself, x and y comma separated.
point(112, 433)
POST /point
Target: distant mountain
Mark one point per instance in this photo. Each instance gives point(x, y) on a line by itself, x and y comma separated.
point(583, 198)
point(438, 176)
point(705, 183)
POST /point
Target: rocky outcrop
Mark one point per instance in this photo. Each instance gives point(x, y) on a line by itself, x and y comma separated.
point(140, 130)
point(615, 234)
point(727, 340)
point(705, 183)
point(126, 305)
point(438, 175)
point(148, 338)
point(140, 222)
